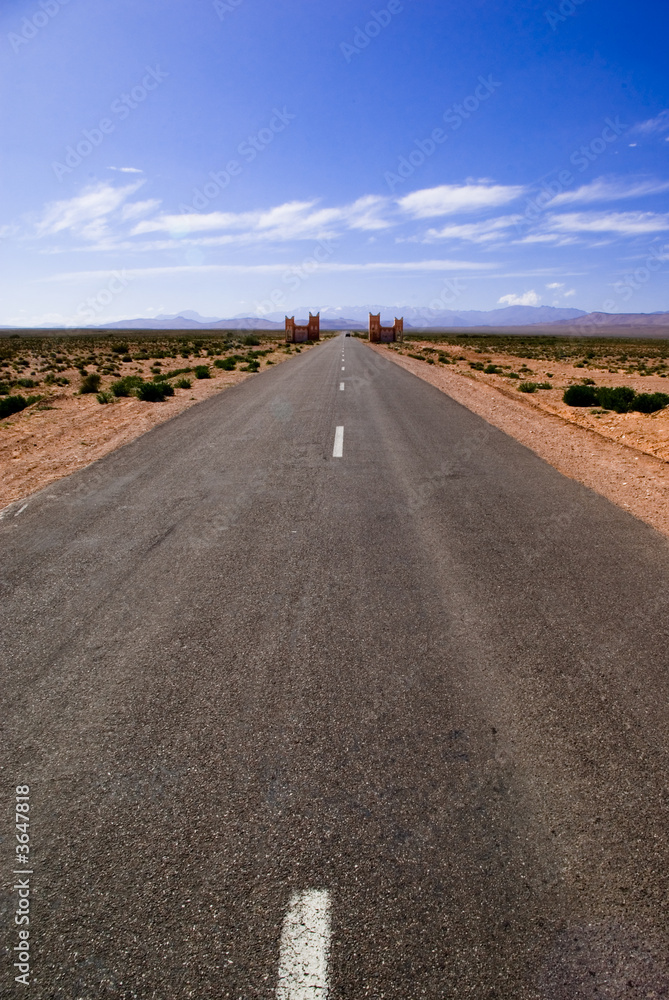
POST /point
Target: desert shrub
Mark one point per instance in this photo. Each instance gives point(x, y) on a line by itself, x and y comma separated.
point(126, 358)
point(125, 386)
point(105, 397)
point(172, 374)
point(120, 348)
point(619, 399)
point(154, 392)
point(649, 402)
point(27, 383)
point(90, 383)
point(4, 388)
point(580, 395)
point(528, 387)
point(227, 364)
point(52, 379)
point(184, 383)
point(202, 371)
point(14, 404)
point(493, 370)
point(544, 385)
point(251, 341)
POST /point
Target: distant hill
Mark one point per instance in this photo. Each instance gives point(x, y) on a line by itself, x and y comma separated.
point(618, 319)
point(356, 317)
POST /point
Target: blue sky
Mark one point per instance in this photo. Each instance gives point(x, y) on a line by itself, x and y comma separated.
point(242, 157)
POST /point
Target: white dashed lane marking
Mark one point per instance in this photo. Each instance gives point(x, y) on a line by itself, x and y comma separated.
point(305, 947)
point(341, 385)
point(338, 450)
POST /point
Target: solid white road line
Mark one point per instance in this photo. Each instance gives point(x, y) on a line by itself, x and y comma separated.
point(343, 369)
point(305, 947)
point(341, 385)
point(338, 450)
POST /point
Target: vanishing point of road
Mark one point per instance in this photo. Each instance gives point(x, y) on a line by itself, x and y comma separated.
point(328, 688)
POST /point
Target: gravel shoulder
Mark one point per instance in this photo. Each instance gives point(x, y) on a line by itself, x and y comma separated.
point(623, 457)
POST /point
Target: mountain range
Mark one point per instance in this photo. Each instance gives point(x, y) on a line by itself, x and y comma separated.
point(356, 317)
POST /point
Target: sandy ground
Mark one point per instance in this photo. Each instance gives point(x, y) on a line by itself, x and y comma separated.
point(68, 431)
point(621, 456)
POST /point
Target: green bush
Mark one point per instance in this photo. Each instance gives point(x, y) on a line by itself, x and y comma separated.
point(227, 364)
point(619, 399)
point(580, 395)
point(105, 397)
point(649, 402)
point(154, 392)
point(126, 386)
point(27, 383)
point(184, 383)
point(202, 371)
point(4, 388)
point(90, 383)
point(251, 341)
point(120, 349)
point(528, 387)
point(14, 404)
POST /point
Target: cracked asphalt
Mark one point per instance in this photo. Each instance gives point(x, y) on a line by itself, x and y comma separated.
point(429, 677)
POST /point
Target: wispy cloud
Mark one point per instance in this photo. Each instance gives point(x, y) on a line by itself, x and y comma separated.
point(526, 299)
point(332, 267)
point(474, 232)
point(127, 170)
point(610, 189)
point(452, 199)
point(653, 125)
point(622, 223)
point(87, 214)
point(289, 221)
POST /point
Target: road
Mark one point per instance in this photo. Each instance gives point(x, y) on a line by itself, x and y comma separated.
point(303, 713)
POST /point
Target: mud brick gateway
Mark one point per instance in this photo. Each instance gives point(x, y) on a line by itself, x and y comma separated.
point(385, 334)
point(301, 334)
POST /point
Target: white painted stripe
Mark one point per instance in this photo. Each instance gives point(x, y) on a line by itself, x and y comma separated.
point(341, 386)
point(338, 450)
point(20, 510)
point(305, 947)
point(343, 369)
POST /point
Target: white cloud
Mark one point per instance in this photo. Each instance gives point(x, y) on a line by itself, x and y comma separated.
point(127, 170)
point(610, 189)
point(651, 125)
point(556, 284)
point(474, 232)
point(623, 223)
point(450, 199)
point(333, 267)
point(292, 220)
point(567, 295)
point(134, 209)
point(526, 299)
point(86, 214)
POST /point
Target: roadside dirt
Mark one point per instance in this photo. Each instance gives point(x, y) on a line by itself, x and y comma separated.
point(67, 431)
point(622, 456)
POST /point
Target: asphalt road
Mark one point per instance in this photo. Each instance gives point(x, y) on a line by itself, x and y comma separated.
point(391, 724)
